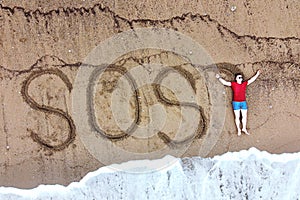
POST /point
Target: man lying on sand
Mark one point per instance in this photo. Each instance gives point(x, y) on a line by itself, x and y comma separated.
point(239, 103)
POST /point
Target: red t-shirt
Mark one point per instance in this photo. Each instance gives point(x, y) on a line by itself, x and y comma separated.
point(239, 91)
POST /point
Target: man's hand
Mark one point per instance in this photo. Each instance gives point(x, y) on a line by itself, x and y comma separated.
point(251, 80)
point(226, 83)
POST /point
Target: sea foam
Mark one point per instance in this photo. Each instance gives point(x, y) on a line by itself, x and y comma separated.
point(248, 174)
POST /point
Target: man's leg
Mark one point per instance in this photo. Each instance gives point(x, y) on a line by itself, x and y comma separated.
point(237, 120)
point(244, 121)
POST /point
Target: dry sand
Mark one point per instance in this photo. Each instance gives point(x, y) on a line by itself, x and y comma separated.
point(44, 139)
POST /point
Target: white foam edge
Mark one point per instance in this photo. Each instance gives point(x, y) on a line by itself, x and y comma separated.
point(168, 162)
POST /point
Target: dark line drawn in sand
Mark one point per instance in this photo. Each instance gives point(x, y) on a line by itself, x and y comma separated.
point(48, 109)
point(281, 47)
point(90, 101)
point(10, 73)
point(227, 68)
point(68, 11)
point(202, 127)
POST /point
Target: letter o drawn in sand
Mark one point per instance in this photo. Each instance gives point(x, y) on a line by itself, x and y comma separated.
point(140, 98)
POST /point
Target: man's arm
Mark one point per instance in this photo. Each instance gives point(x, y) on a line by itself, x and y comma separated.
point(226, 83)
point(251, 80)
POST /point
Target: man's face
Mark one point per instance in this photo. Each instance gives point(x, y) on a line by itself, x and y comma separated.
point(239, 78)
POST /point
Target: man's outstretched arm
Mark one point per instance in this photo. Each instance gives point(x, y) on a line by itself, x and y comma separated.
point(251, 80)
point(226, 83)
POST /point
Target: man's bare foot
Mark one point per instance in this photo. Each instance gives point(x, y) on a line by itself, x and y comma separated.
point(246, 132)
point(239, 132)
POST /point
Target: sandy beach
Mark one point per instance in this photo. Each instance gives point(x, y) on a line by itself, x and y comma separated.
point(90, 83)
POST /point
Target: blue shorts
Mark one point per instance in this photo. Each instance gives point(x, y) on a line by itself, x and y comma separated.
point(239, 105)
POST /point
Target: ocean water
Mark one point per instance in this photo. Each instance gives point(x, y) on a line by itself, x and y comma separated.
point(248, 174)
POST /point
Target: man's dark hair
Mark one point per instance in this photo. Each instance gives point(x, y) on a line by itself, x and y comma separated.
point(238, 74)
